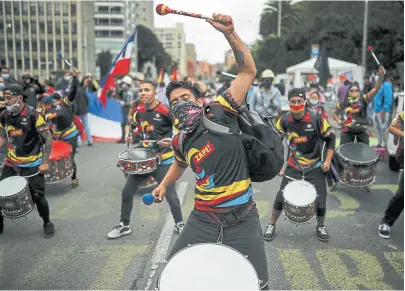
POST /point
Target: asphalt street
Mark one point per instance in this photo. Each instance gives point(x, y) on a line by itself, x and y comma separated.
point(81, 257)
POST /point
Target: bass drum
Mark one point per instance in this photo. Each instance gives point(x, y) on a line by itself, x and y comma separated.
point(359, 163)
point(208, 267)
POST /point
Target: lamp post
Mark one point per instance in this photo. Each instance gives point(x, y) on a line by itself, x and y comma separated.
point(279, 19)
point(363, 56)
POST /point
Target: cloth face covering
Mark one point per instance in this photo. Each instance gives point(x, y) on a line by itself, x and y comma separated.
point(189, 114)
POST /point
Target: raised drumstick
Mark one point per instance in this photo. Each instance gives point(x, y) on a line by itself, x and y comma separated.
point(163, 9)
point(371, 50)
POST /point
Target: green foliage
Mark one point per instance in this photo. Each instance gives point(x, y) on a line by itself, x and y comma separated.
point(149, 48)
point(339, 24)
point(104, 60)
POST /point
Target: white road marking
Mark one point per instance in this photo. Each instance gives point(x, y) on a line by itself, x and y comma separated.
point(166, 235)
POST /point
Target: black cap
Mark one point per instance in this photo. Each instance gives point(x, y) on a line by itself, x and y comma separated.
point(297, 92)
point(14, 90)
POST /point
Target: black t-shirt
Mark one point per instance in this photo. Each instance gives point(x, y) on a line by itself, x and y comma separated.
point(219, 162)
point(61, 115)
point(303, 139)
point(25, 144)
point(156, 124)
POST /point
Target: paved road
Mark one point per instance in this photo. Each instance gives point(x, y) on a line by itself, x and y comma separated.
point(81, 257)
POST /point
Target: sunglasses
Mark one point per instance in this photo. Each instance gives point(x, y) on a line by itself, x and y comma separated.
point(298, 102)
point(354, 90)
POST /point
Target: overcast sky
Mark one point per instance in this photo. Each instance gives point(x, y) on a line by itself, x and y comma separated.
point(210, 44)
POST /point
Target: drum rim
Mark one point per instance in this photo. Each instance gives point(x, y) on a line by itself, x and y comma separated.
point(294, 222)
point(156, 156)
point(24, 189)
point(217, 244)
point(21, 215)
point(289, 202)
point(369, 162)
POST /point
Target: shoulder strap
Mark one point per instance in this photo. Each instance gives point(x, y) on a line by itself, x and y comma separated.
point(181, 142)
point(314, 119)
point(219, 128)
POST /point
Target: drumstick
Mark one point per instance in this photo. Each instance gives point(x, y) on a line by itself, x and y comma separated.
point(226, 74)
point(288, 177)
point(163, 9)
point(371, 50)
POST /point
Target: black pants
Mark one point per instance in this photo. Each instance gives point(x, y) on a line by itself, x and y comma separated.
point(132, 184)
point(73, 142)
point(36, 184)
point(396, 204)
point(348, 137)
point(316, 177)
point(125, 111)
point(241, 231)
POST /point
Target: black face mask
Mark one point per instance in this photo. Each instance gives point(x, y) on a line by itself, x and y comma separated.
point(189, 114)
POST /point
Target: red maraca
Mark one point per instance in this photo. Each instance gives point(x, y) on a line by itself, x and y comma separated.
point(163, 9)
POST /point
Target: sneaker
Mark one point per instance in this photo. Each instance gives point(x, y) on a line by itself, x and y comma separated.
point(178, 227)
point(119, 230)
point(270, 233)
point(75, 183)
point(322, 233)
point(49, 230)
point(90, 144)
point(384, 230)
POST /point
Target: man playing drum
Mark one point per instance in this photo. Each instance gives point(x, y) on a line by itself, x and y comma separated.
point(396, 204)
point(60, 113)
point(224, 210)
point(30, 144)
point(156, 122)
point(351, 113)
point(305, 155)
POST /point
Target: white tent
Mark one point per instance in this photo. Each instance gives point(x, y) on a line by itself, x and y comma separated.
point(307, 67)
point(336, 68)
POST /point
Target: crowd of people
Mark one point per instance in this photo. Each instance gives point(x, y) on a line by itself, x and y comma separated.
point(34, 113)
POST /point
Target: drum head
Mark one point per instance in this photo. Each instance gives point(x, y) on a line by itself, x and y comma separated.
point(208, 267)
point(12, 186)
point(299, 193)
point(357, 152)
point(60, 149)
point(138, 154)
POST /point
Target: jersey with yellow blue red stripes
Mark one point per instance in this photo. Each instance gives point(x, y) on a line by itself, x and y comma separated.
point(155, 124)
point(219, 162)
point(24, 141)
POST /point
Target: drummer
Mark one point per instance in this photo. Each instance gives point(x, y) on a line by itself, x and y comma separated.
point(304, 155)
point(26, 132)
point(60, 113)
point(224, 210)
point(156, 122)
point(351, 113)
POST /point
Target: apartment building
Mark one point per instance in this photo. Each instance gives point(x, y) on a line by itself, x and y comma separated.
point(115, 21)
point(191, 59)
point(174, 42)
point(32, 32)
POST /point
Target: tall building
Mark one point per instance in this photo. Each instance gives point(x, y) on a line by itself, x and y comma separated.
point(32, 32)
point(115, 21)
point(191, 58)
point(174, 42)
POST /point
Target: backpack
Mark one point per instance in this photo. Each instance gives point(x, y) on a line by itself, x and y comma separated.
point(262, 143)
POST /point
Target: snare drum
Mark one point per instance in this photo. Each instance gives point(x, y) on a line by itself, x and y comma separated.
point(138, 161)
point(60, 163)
point(15, 197)
point(225, 269)
point(360, 164)
point(299, 201)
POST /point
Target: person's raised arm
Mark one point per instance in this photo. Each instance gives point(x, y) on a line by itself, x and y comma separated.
point(244, 59)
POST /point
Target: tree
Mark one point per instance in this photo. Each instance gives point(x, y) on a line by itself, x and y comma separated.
point(149, 49)
point(290, 18)
point(340, 26)
point(104, 60)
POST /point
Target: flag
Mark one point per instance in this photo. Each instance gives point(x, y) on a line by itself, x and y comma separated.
point(119, 67)
point(174, 74)
point(160, 77)
point(322, 65)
